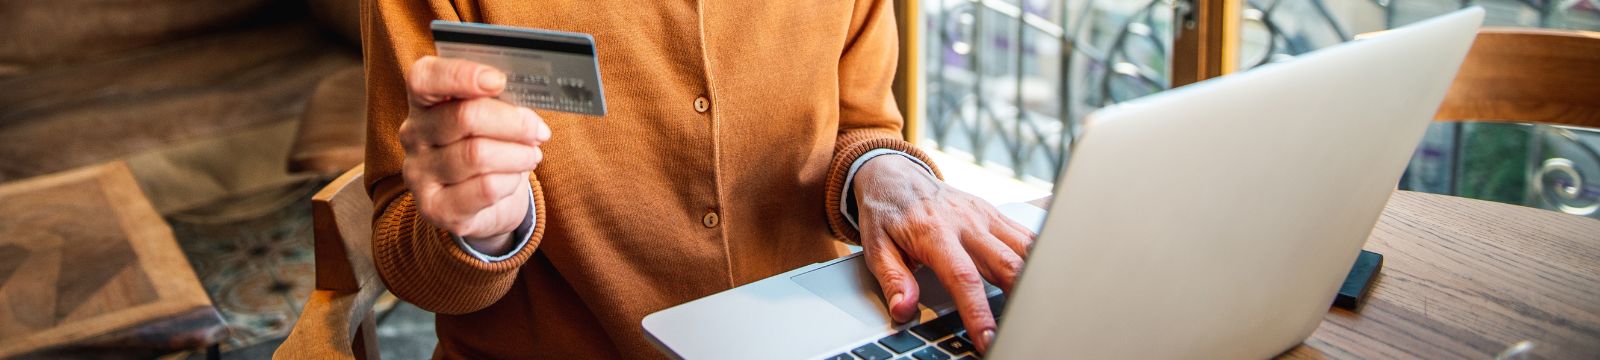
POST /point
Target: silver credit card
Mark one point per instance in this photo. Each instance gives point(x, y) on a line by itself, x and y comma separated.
point(545, 69)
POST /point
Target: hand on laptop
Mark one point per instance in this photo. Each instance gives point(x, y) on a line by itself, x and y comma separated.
point(468, 154)
point(907, 217)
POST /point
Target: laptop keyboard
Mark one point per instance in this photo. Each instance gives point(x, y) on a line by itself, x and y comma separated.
point(942, 338)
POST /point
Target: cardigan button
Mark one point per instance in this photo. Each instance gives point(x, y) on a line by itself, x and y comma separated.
point(710, 220)
point(701, 104)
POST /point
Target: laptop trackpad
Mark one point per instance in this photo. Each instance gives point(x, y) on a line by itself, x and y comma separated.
point(849, 286)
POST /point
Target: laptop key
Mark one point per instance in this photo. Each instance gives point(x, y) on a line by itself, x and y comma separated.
point(939, 327)
point(871, 351)
point(901, 342)
point(930, 353)
point(956, 345)
point(842, 357)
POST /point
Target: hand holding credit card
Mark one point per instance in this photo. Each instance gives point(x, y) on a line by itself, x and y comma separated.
point(545, 69)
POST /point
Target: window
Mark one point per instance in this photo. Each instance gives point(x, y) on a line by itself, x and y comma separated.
point(1005, 83)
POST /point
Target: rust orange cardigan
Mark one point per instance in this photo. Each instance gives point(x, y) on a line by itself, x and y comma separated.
point(798, 90)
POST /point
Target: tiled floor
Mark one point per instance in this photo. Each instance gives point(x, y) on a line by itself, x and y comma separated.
point(406, 333)
point(258, 268)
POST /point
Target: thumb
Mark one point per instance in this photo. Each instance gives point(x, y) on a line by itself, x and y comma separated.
point(435, 79)
point(884, 259)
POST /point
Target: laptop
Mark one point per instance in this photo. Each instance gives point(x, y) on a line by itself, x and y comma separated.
point(1216, 220)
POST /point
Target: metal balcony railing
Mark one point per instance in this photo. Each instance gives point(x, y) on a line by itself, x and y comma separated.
point(1009, 81)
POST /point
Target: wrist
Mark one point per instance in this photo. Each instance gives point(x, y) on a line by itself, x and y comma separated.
point(897, 169)
point(505, 242)
point(493, 244)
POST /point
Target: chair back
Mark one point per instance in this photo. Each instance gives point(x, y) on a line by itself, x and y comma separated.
point(1528, 75)
point(337, 320)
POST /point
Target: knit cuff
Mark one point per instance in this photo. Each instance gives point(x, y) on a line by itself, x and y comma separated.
point(422, 264)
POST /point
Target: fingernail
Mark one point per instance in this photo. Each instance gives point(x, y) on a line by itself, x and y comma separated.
point(895, 300)
point(542, 130)
point(988, 337)
point(490, 79)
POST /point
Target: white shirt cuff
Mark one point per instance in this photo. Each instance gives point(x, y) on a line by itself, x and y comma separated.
point(847, 202)
point(523, 233)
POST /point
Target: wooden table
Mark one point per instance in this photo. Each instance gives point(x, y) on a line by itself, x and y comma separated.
point(88, 269)
point(1465, 279)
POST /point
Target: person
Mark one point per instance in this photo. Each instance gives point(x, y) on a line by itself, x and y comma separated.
point(743, 139)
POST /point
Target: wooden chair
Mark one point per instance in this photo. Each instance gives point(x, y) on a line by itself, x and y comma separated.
point(1528, 75)
point(337, 321)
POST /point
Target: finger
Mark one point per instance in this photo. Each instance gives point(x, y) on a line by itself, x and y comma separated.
point(1015, 237)
point(467, 198)
point(1024, 230)
point(483, 117)
point(434, 80)
point(962, 279)
point(995, 260)
point(888, 265)
point(472, 157)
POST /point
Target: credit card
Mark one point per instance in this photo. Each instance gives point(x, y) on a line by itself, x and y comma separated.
point(545, 69)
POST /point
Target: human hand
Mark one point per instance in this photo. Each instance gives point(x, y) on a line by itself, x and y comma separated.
point(907, 217)
point(468, 155)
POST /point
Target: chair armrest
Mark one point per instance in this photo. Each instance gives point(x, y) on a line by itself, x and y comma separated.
point(334, 325)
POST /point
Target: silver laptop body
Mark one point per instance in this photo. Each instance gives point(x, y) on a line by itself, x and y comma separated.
point(1215, 220)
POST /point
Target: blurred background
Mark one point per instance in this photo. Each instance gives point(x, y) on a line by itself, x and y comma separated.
point(1007, 83)
point(229, 115)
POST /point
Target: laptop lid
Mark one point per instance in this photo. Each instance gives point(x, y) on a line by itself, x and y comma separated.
point(1217, 220)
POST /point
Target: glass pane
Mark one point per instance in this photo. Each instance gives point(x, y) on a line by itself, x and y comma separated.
point(1273, 30)
point(1566, 175)
point(1007, 81)
point(1536, 165)
point(1540, 166)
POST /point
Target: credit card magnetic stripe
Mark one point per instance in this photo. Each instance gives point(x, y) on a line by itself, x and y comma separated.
point(515, 42)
